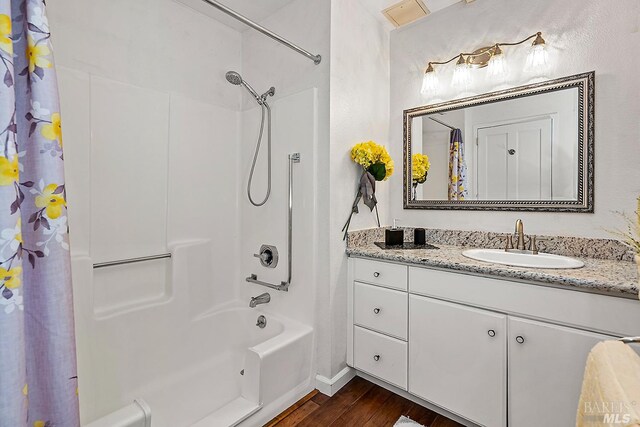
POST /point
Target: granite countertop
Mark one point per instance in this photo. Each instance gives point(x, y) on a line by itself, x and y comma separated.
point(604, 276)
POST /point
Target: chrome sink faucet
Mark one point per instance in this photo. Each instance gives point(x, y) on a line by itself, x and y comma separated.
point(260, 299)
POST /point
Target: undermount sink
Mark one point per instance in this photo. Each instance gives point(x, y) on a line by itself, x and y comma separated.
point(520, 259)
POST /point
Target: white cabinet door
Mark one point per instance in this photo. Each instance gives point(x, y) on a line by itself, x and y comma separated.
point(546, 365)
point(457, 359)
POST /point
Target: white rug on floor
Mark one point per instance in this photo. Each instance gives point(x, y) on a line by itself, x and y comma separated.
point(406, 422)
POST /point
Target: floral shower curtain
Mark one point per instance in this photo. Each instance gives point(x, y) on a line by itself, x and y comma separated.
point(457, 167)
point(38, 383)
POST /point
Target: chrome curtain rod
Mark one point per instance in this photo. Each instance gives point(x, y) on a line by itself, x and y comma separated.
point(443, 123)
point(315, 58)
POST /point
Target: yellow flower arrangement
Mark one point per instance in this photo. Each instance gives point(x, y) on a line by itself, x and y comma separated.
point(373, 158)
point(420, 166)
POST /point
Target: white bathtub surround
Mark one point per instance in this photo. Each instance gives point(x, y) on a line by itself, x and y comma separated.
point(188, 201)
point(136, 414)
point(278, 364)
point(190, 354)
point(301, 124)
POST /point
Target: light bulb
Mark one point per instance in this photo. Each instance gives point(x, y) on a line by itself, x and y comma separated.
point(429, 83)
point(461, 77)
point(497, 68)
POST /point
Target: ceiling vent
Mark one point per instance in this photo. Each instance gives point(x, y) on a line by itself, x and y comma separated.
point(405, 12)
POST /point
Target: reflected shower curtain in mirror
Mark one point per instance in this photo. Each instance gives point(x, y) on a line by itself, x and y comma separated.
point(457, 167)
point(38, 383)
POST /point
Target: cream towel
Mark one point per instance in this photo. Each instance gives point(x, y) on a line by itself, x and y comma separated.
point(611, 387)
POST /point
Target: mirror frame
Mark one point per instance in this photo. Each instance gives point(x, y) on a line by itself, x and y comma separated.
point(585, 83)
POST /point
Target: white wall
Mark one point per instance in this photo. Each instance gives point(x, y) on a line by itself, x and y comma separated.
point(151, 155)
point(582, 36)
point(359, 112)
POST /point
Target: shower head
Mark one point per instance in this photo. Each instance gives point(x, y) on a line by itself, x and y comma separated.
point(235, 79)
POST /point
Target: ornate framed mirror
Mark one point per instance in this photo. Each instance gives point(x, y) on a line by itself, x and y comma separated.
point(529, 148)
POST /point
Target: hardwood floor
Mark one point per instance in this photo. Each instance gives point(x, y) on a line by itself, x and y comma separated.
point(359, 403)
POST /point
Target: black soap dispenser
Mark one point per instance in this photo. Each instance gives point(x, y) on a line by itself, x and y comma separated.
point(394, 236)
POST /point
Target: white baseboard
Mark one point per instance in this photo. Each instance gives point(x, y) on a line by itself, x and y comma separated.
point(330, 386)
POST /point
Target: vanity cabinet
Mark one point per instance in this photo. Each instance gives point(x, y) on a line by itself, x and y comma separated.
point(457, 358)
point(495, 352)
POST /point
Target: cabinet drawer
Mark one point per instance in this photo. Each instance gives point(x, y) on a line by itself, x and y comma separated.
point(381, 273)
point(381, 356)
point(381, 309)
point(588, 311)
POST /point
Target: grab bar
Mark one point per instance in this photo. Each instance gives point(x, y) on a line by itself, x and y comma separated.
point(130, 260)
point(284, 286)
point(630, 340)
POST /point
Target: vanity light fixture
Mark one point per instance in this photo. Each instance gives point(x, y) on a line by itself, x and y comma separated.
point(491, 56)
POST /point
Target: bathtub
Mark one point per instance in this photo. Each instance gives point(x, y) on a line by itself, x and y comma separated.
point(227, 371)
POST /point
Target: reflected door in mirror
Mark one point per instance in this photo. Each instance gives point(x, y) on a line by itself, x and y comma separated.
point(513, 161)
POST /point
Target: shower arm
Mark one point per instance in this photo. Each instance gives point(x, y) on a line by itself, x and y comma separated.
point(284, 285)
point(315, 58)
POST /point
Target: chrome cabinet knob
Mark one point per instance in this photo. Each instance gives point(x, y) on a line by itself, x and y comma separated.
point(376, 274)
point(376, 310)
point(520, 339)
point(376, 357)
point(491, 333)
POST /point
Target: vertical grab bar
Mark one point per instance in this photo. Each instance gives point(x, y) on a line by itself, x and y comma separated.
point(284, 285)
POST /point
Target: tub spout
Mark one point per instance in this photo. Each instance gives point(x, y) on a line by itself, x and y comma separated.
point(260, 299)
